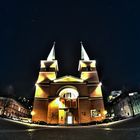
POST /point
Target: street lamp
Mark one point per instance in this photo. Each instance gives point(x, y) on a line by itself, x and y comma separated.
point(33, 113)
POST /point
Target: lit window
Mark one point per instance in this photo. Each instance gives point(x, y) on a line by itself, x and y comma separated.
point(69, 93)
point(19, 109)
point(69, 120)
point(95, 113)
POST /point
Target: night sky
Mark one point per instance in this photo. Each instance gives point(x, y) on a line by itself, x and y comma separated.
point(109, 30)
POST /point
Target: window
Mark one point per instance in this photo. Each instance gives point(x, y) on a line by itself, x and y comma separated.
point(95, 113)
point(69, 93)
point(68, 96)
point(69, 103)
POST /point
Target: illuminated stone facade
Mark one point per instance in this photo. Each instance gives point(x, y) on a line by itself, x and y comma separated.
point(125, 105)
point(68, 99)
point(12, 109)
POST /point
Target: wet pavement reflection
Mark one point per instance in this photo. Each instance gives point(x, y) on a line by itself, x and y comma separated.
point(118, 131)
point(72, 134)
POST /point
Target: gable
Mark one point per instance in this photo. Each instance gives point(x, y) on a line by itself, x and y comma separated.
point(68, 79)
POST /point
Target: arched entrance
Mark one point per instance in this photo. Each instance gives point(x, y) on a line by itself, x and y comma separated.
point(68, 97)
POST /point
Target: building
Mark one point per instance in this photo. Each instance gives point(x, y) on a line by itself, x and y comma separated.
point(68, 99)
point(12, 109)
point(135, 102)
point(125, 105)
point(114, 94)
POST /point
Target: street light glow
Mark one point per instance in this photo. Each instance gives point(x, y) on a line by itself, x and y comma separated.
point(100, 84)
point(33, 113)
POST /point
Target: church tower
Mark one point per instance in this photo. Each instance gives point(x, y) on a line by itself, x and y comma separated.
point(89, 75)
point(48, 68)
point(48, 73)
point(87, 68)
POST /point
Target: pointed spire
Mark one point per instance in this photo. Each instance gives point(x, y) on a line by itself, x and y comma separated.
point(51, 55)
point(84, 55)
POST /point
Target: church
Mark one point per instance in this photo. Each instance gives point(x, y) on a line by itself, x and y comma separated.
point(68, 100)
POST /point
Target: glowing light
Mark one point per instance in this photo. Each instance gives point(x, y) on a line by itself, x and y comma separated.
point(110, 97)
point(69, 119)
point(57, 103)
point(99, 115)
point(68, 79)
point(100, 84)
point(33, 113)
point(19, 109)
point(104, 112)
point(133, 93)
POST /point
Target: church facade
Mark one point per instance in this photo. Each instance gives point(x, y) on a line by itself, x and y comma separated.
point(68, 100)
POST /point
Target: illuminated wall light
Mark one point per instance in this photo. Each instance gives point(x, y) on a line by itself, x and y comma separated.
point(131, 94)
point(33, 113)
point(19, 109)
point(100, 84)
point(110, 97)
point(99, 115)
point(104, 112)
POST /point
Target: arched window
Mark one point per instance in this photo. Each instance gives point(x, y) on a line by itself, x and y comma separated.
point(69, 93)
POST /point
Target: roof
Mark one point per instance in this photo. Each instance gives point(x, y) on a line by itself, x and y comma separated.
point(68, 78)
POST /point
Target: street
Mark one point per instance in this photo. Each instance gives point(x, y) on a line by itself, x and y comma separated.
point(123, 130)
